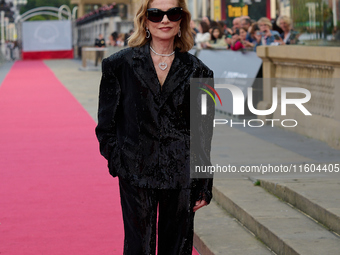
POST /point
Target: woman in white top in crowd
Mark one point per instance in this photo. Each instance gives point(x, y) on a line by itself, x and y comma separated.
point(203, 36)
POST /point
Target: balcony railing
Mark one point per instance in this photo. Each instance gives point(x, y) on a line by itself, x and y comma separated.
point(102, 12)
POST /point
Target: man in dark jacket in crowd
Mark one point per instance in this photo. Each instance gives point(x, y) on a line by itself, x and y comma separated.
point(99, 43)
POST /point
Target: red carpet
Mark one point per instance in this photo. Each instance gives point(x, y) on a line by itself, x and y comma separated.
point(56, 196)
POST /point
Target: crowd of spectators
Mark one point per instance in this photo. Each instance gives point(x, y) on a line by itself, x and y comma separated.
point(244, 34)
point(119, 39)
point(11, 50)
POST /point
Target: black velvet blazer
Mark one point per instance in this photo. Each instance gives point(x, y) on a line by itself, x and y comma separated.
point(144, 128)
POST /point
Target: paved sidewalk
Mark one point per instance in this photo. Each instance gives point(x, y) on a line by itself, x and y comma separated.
point(271, 146)
point(4, 69)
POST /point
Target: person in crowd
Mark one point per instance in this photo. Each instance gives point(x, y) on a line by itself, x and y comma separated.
point(193, 27)
point(213, 23)
point(206, 19)
point(252, 30)
point(225, 29)
point(243, 38)
point(288, 36)
point(120, 40)
point(222, 24)
point(144, 130)
point(111, 42)
point(194, 30)
point(16, 51)
point(127, 36)
point(246, 24)
point(245, 17)
point(100, 44)
point(203, 35)
point(113, 39)
point(236, 43)
point(236, 24)
point(217, 39)
point(275, 25)
point(9, 50)
point(265, 36)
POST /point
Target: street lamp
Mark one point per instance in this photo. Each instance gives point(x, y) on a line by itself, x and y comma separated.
point(17, 4)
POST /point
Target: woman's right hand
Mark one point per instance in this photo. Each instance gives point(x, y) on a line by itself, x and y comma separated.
point(199, 204)
point(234, 39)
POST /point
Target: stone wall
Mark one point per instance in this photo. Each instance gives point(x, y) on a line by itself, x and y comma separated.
point(314, 68)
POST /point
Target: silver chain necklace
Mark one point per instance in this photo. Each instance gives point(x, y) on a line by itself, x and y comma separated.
point(162, 65)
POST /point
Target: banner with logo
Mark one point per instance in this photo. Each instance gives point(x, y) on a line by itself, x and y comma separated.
point(47, 39)
point(240, 67)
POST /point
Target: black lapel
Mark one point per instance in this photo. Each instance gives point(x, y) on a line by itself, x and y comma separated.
point(144, 69)
point(180, 69)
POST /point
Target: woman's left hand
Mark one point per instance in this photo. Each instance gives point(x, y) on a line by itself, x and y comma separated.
point(247, 44)
point(199, 204)
point(268, 33)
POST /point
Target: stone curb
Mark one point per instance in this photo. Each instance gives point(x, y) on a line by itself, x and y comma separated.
point(317, 212)
point(263, 233)
point(217, 232)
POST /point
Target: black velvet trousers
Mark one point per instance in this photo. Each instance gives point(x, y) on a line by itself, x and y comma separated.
point(175, 220)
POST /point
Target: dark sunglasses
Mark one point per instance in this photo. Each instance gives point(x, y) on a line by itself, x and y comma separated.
point(156, 15)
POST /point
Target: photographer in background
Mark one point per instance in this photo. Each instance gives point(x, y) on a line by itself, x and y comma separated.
point(99, 43)
point(288, 36)
point(266, 36)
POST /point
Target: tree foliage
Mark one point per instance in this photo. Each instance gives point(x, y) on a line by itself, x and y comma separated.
point(300, 13)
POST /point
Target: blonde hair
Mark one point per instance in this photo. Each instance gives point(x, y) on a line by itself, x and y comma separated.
point(265, 21)
point(285, 19)
point(138, 38)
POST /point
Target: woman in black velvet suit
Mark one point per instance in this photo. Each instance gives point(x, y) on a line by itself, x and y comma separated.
point(144, 130)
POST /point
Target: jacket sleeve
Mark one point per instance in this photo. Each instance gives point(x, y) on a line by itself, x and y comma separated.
point(109, 96)
point(205, 134)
